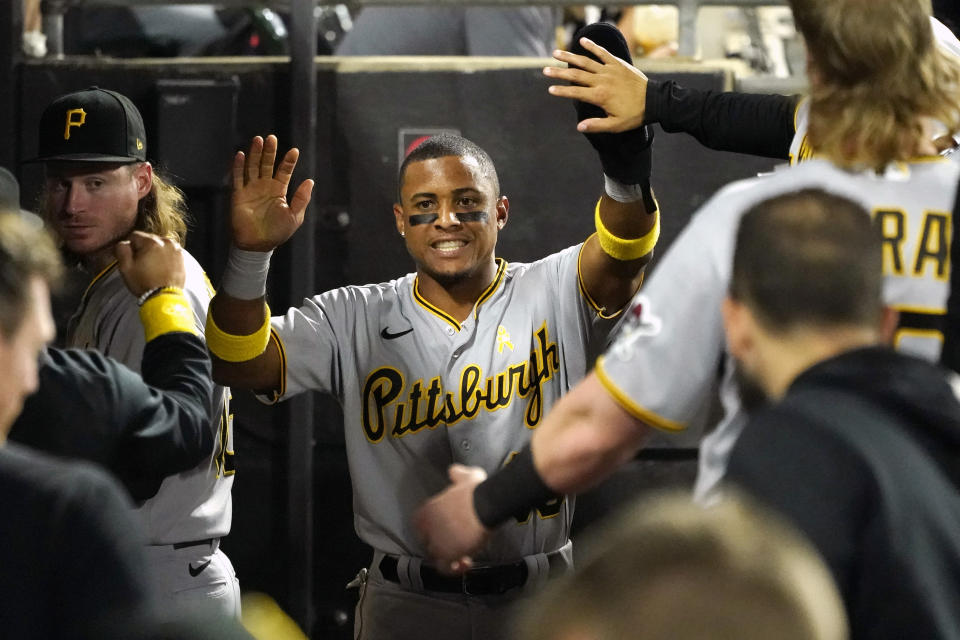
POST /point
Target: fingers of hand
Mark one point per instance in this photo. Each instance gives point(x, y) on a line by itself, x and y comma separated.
point(252, 168)
point(597, 50)
point(143, 241)
point(575, 60)
point(238, 162)
point(576, 92)
point(572, 74)
point(600, 125)
point(287, 165)
point(301, 198)
point(269, 156)
point(124, 253)
point(461, 565)
point(462, 473)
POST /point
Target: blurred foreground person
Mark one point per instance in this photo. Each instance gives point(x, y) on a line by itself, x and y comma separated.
point(666, 568)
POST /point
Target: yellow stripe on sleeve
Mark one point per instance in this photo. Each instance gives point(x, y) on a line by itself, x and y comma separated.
point(638, 412)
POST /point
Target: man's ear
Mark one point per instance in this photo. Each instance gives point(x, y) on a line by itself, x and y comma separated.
point(736, 325)
point(732, 312)
point(398, 218)
point(503, 211)
point(143, 178)
point(889, 319)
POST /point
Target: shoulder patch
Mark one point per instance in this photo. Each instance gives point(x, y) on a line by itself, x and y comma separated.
point(638, 322)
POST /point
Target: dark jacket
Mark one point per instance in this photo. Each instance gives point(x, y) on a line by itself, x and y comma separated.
point(142, 429)
point(862, 455)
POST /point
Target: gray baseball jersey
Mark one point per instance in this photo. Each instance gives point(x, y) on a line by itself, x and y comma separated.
point(664, 361)
point(421, 390)
point(195, 504)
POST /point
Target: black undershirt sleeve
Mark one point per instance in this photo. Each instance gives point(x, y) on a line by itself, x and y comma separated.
point(756, 124)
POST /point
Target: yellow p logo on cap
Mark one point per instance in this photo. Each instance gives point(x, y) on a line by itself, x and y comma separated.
point(71, 122)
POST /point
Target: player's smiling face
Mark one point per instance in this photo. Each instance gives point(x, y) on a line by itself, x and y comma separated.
point(450, 215)
point(93, 205)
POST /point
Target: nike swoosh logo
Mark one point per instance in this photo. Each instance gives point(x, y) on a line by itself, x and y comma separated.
point(386, 335)
point(199, 569)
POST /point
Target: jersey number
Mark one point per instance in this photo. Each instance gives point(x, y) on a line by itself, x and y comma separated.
point(223, 456)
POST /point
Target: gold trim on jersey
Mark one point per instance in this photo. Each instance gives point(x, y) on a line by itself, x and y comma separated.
point(437, 311)
point(282, 352)
point(443, 315)
point(906, 308)
point(497, 279)
point(796, 111)
point(97, 278)
point(601, 311)
point(805, 152)
point(644, 415)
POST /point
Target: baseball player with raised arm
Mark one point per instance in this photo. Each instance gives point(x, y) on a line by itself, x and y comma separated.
point(664, 361)
point(99, 189)
point(458, 361)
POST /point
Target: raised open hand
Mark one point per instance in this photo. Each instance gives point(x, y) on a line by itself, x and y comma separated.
point(612, 84)
point(261, 219)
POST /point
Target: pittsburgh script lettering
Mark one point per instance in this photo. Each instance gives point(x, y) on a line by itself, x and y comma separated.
point(389, 405)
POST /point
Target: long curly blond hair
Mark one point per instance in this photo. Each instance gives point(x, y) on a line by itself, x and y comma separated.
point(163, 211)
point(876, 73)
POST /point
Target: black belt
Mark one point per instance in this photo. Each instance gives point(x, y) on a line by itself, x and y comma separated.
point(195, 543)
point(478, 581)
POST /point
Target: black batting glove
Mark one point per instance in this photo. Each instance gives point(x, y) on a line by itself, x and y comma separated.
point(625, 156)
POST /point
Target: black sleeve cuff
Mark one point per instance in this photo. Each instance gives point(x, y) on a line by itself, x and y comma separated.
point(510, 492)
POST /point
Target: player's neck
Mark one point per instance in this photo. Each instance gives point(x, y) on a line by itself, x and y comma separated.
point(789, 355)
point(95, 262)
point(456, 297)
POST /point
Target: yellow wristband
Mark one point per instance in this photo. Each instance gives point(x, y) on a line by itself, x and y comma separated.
point(622, 248)
point(232, 348)
point(167, 311)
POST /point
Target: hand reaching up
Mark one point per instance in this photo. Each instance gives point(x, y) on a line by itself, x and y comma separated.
point(261, 219)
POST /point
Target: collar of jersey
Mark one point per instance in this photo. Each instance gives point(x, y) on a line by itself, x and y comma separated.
point(489, 291)
point(100, 276)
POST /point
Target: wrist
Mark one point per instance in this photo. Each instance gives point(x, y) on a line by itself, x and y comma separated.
point(166, 310)
point(626, 249)
point(627, 157)
point(245, 276)
point(512, 491)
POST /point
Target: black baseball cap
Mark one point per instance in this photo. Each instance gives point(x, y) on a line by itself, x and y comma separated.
point(93, 125)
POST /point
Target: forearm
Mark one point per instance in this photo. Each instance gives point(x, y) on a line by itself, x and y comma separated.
point(583, 440)
point(255, 365)
point(172, 428)
point(757, 124)
point(611, 273)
